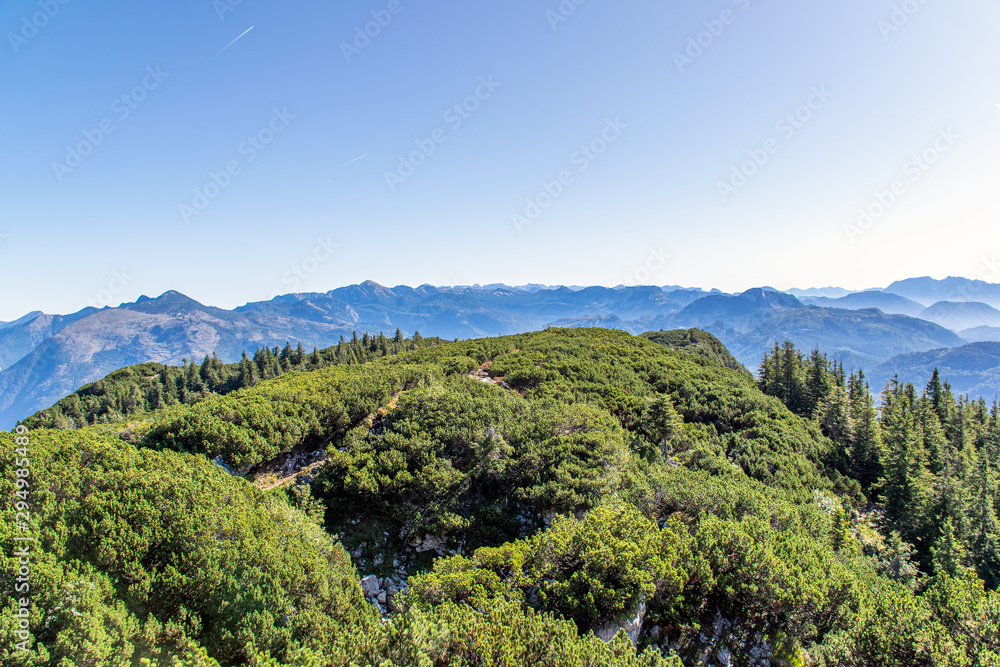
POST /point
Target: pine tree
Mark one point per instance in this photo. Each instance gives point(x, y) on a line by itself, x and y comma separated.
point(818, 382)
point(897, 561)
point(948, 553)
point(206, 372)
point(906, 486)
point(662, 423)
point(984, 528)
point(834, 415)
point(935, 392)
point(866, 442)
point(248, 372)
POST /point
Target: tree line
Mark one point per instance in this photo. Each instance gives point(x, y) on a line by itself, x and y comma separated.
point(151, 386)
point(924, 457)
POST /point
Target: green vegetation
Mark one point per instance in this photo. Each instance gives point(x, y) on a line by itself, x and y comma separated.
point(138, 389)
point(540, 493)
point(697, 342)
point(926, 458)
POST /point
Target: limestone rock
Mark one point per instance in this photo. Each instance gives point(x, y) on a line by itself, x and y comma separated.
point(370, 585)
point(631, 625)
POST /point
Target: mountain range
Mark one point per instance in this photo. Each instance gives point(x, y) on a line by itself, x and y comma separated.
point(45, 357)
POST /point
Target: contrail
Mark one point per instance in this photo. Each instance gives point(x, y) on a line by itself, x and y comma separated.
point(235, 40)
point(360, 157)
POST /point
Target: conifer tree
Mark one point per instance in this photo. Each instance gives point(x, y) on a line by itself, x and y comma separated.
point(948, 553)
point(866, 442)
point(984, 528)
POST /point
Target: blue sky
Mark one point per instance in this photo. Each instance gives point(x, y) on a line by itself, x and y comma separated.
point(232, 174)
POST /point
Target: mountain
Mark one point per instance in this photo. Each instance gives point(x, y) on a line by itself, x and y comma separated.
point(51, 356)
point(929, 291)
point(24, 334)
point(827, 292)
point(754, 304)
point(972, 369)
point(863, 338)
point(888, 303)
point(962, 315)
point(752, 322)
point(72, 351)
point(981, 334)
point(166, 330)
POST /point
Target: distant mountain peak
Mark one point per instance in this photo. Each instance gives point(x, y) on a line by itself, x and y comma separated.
point(169, 300)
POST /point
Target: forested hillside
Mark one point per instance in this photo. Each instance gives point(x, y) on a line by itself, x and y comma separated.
point(927, 456)
point(147, 387)
point(568, 497)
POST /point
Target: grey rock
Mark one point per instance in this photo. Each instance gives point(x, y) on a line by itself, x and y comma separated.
point(432, 543)
point(370, 585)
point(631, 625)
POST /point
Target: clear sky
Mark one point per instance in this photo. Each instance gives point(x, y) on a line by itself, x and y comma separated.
point(116, 115)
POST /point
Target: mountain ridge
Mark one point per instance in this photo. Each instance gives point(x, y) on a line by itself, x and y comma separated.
point(50, 356)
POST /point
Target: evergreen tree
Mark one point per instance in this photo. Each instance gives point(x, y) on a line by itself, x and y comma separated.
point(984, 526)
point(935, 392)
point(948, 553)
point(248, 372)
point(662, 423)
point(833, 412)
point(818, 382)
point(866, 442)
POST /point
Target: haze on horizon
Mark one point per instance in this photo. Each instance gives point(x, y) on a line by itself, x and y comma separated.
point(233, 151)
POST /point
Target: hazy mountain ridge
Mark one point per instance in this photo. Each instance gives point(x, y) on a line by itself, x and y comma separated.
point(49, 356)
point(958, 316)
point(888, 303)
point(972, 369)
point(929, 291)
